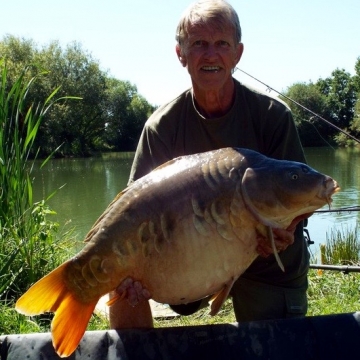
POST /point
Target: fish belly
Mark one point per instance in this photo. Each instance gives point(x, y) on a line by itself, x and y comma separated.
point(196, 265)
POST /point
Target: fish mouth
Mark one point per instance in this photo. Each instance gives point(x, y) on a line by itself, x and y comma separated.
point(330, 188)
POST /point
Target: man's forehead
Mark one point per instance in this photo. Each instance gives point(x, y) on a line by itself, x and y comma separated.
point(209, 29)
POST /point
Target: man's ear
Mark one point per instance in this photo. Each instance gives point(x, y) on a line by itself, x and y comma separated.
point(180, 56)
point(239, 52)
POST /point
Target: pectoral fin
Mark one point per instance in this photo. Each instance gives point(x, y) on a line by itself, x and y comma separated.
point(220, 297)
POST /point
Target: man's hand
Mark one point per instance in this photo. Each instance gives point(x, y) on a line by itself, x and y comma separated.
point(282, 237)
point(132, 291)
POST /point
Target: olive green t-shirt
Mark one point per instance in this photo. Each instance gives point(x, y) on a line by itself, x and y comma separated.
point(255, 121)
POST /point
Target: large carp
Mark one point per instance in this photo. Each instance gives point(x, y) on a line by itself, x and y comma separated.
point(187, 230)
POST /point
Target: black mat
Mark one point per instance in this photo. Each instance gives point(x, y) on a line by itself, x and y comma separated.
point(320, 337)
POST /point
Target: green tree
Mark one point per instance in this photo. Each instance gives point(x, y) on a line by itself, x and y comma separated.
point(357, 75)
point(18, 53)
point(355, 124)
point(75, 125)
point(110, 114)
point(312, 130)
point(127, 112)
point(78, 126)
point(340, 92)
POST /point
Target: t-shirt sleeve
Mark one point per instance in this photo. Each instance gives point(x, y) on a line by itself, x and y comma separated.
point(153, 149)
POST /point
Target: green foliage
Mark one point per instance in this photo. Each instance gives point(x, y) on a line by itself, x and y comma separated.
point(355, 124)
point(334, 99)
point(110, 114)
point(333, 292)
point(342, 247)
point(357, 74)
point(78, 125)
point(27, 245)
point(341, 94)
point(126, 114)
point(312, 131)
point(18, 52)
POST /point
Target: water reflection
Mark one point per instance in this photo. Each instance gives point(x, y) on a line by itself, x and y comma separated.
point(344, 166)
point(84, 187)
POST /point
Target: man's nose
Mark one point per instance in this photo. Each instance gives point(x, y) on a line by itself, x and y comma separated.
point(211, 51)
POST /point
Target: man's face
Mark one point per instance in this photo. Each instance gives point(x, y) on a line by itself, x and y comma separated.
point(210, 54)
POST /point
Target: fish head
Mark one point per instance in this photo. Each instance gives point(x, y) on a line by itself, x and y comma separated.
point(282, 190)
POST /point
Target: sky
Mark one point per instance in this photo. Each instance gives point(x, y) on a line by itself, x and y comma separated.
point(285, 41)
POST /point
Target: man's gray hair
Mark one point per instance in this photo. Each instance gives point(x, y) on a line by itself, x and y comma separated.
point(218, 12)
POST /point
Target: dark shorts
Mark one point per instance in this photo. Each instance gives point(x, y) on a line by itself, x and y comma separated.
point(254, 300)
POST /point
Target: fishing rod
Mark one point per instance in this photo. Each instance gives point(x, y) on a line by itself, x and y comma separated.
point(301, 106)
point(346, 269)
point(344, 209)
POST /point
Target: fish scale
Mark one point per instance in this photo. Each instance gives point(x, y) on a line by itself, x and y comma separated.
point(185, 231)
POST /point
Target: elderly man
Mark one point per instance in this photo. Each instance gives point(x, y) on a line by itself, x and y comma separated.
point(218, 111)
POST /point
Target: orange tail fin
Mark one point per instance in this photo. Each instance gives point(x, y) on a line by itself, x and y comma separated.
point(71, 316)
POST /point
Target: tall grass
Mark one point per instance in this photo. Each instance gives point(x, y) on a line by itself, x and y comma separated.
point(332, 292)
point(28, 249)
point(342, 247)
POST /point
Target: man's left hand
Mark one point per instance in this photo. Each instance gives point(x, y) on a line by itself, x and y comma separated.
point(282, 237)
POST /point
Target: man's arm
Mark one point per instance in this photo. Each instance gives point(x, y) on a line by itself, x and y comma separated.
point(123, 315)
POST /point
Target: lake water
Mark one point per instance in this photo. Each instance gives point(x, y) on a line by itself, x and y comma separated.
point(87, 186)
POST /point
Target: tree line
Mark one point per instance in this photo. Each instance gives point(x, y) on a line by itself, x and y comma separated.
point(97, 112)
point(336, 99)
point(101, 113)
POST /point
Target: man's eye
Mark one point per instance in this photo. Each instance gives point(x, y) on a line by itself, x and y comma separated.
point(223, 43)
point(198, 43)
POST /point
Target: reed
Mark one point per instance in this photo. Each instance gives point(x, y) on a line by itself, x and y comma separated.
point(28, 249)
point(342, 247)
